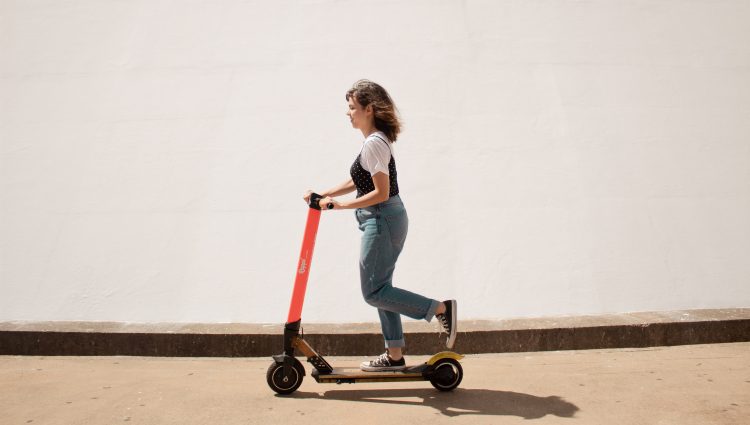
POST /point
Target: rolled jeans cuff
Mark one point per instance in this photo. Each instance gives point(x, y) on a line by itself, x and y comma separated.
point(431, 311)
point(398, 343)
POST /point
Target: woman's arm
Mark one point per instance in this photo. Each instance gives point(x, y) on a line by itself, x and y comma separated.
point(380, 194)
point(342, 189)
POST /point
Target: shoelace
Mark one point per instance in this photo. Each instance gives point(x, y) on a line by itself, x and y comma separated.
point(382, 360)
point(444, 321)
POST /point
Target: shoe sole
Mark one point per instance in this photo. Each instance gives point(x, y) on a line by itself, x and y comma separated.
point(452, 337)
point(382, 369)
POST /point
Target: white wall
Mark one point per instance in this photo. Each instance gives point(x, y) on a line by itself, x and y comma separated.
point(560, 157)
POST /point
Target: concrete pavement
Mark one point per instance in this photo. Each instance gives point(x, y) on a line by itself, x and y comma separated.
point(695, 384)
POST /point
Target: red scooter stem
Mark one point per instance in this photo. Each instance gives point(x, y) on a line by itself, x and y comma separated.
point(305, 259)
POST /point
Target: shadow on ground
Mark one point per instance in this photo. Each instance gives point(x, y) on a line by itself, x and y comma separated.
point(459, 402)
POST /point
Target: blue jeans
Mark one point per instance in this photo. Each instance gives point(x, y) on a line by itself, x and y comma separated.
point(384, 228)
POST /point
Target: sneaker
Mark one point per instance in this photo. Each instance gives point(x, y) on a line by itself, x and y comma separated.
point(383, 363)
point(448, 320)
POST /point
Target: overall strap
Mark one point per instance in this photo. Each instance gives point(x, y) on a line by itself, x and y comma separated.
point(380, 138)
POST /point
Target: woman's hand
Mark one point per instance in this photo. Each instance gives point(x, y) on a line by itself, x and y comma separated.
point(326, 201)
point(306, 196)
point(323, 202)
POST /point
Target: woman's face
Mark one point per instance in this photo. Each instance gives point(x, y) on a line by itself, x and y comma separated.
point(360, 117)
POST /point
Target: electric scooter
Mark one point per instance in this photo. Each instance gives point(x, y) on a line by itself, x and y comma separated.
point(285, 374)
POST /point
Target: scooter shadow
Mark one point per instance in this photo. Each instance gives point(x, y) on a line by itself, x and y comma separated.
point(460, 401)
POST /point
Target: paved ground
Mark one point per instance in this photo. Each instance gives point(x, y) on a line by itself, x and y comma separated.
point(699, 384)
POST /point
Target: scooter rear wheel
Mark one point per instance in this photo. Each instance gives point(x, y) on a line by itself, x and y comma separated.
point(447, 374)
point(285, 384)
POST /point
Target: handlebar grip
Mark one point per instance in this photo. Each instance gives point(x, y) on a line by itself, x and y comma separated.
point(315, 201)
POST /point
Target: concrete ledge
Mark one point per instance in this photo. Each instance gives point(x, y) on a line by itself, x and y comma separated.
point(256, 340)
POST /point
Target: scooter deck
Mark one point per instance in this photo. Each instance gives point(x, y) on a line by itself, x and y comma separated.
point(351, 375)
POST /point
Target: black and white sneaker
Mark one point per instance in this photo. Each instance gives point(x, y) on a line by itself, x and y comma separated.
point(448, 320)
point(383, 363)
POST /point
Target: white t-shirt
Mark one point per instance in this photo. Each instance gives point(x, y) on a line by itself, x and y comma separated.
point(375, 154)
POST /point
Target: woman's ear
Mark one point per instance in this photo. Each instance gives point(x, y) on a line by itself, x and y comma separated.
point(369, 110)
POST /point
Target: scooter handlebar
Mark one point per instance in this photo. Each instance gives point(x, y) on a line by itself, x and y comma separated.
point(315, 201)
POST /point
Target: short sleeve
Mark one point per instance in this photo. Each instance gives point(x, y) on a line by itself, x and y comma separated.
point(375, 156)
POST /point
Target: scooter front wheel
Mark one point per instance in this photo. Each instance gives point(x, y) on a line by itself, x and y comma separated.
point(447, 374)
point(285, 384)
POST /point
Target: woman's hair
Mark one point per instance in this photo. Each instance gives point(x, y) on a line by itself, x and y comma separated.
point(366, 93)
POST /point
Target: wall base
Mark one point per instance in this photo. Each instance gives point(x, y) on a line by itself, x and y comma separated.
point(252, 340)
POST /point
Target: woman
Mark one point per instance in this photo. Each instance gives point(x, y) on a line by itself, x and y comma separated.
point(383, 221)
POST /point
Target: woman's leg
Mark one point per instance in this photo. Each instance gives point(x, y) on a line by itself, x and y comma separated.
point(390, 324)
point(382, 240)
point(384, 234)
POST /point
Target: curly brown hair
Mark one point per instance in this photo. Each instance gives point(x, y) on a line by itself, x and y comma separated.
point(386, 114)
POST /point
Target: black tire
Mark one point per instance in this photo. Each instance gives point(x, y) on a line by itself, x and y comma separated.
point(280, 384)
point(447, 374)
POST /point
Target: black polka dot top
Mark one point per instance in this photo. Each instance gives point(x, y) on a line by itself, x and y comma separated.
point(363, 179)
